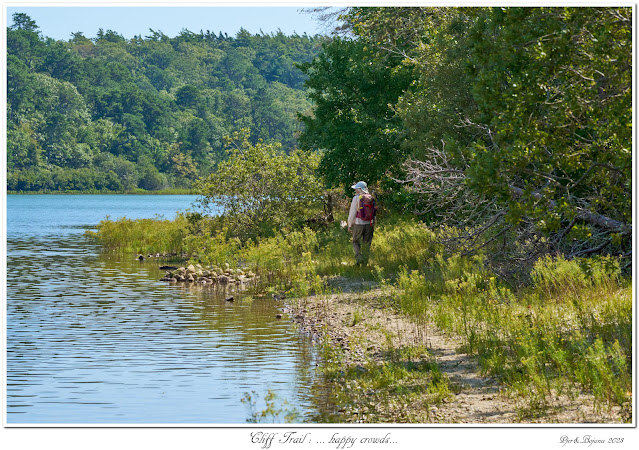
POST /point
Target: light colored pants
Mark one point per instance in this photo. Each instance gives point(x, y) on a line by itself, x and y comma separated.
point(362, 238)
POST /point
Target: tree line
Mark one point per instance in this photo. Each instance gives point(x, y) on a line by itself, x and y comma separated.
point(116, 114)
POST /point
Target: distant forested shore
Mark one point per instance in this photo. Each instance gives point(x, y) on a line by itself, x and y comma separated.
point(174, 191)
point(111, 114)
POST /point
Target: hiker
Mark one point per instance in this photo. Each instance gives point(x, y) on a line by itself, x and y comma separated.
point(361, 220)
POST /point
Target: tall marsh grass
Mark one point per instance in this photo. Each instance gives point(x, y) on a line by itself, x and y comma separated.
point(143, 236)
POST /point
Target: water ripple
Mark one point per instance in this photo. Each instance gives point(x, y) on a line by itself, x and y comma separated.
point(97, 339)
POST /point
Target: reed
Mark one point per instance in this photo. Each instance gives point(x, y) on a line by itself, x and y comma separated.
point(143, 236)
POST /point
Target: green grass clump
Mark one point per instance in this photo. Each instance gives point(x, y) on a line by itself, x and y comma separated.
point(143, 236)
point(557, 277)
point(213, 249)
point(380, 391)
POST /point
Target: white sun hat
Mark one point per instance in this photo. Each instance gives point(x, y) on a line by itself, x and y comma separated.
point(360, 185)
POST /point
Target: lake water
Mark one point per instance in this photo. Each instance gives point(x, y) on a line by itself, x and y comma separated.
point(97, 339)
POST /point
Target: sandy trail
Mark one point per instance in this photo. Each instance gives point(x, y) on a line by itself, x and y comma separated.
point(360, 321)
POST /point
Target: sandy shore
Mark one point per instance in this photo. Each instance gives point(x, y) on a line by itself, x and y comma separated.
point(362, 323)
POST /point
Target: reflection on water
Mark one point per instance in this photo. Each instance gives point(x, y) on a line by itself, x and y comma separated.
point(97, 339)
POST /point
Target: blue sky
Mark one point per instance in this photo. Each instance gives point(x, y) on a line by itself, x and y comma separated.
point(58, 22)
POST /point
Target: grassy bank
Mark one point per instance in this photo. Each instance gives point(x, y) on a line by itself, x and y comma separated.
point(569, 332)
point(375, 359)
point(566, 334)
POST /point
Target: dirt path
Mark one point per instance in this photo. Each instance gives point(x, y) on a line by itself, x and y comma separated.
point(361, 322)
point(479, 399)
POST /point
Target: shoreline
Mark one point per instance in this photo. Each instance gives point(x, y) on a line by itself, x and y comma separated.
point(360, 332)
point(135, 192)
point(382, 366)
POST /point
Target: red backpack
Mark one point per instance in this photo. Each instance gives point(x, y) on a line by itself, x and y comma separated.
point(367, 208)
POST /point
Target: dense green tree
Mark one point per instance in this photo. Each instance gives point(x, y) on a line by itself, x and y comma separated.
point(545, 156)
point(26, 150)
point(188, 96)
point(560, 114)
point(353, 88)
point(27, 46)
point(22, 21)
point(60, 63)
point(20, 89)
point(560, 108)
point(515, 129)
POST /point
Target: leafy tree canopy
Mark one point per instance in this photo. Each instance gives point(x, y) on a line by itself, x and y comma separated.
point(512, 124)
point(353, 88)
point(22, 21)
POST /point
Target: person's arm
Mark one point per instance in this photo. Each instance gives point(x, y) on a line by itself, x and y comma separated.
point(352, 213)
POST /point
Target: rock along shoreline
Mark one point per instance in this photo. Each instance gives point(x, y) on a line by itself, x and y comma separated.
point(214, 275)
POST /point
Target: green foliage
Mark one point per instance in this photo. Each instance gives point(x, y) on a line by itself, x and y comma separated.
point(142, 236)
point(22, 21)
point(353, 88)
point(261, 189)
point(520, 112)
point(161, 104)
point(213, 250)
point(57, 178)
point(559, 108)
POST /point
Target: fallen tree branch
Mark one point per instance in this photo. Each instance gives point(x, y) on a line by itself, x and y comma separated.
point(603, 221)
point(587, 216)
point(592, 250)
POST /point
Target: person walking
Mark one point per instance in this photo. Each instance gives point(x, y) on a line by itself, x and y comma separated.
point(361, 222)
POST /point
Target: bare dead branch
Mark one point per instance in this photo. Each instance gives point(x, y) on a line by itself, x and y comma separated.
point(566, 230)
point(592, 250)
point(475, 222)
point(604, 222)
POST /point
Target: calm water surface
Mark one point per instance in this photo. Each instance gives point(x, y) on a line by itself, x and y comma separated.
point(97, 339)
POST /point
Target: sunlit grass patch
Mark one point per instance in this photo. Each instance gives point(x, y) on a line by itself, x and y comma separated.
point(143, 236)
